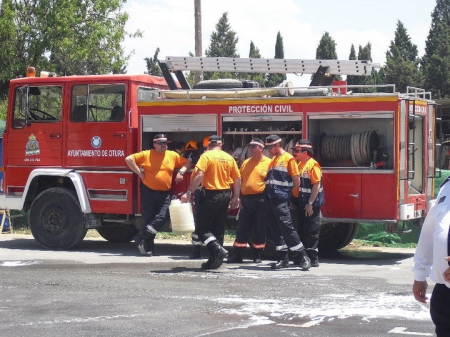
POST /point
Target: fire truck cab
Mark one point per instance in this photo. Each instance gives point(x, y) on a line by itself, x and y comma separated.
point(66, 139)
point(64, 147)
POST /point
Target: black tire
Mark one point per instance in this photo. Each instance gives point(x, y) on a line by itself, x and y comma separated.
point(119, 233)
point(56, 220)
point(250, 84)
point(226, 83)
point(336, 235)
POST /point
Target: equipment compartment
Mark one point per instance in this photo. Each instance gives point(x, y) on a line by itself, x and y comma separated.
point(238, 131)
point(358, 140)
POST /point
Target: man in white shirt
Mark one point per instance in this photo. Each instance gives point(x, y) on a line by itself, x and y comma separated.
point(432, 259)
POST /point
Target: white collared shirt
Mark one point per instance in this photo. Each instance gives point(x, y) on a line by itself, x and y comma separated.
point(431, 250)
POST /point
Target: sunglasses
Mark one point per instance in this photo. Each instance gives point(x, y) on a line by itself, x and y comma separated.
point(268, 147)
point(160, 143)
point(298, 151)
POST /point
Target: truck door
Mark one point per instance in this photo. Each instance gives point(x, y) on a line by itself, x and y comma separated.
point(97, 127)
point(35, 136)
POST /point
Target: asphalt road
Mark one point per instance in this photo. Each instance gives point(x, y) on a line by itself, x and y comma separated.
point(106, 289)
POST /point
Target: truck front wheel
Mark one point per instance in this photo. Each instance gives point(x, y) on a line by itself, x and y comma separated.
point(56, 220)
point(336, 235)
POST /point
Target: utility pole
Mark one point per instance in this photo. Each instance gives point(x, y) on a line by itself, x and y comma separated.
point(198, 36)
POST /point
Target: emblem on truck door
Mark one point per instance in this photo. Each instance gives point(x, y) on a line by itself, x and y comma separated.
point(96, 142)
point(32, 147)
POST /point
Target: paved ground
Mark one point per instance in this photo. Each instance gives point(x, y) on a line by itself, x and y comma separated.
point(105, 289)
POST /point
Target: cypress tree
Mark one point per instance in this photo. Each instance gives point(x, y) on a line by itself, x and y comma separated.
point(254, 53)
point(351, 79)
point(272, 79)
point(327, 48)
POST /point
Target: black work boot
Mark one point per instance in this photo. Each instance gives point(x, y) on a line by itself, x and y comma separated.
point(218, 254)
point(257, 255)
point(140, 243)
point(313, 256)
point(301, 259)
point(196, 253)
point(150, 246)
point(208, 264)
point(283, 261)
point(236, 255)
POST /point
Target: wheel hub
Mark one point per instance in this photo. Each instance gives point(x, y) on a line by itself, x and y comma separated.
point(54, 220)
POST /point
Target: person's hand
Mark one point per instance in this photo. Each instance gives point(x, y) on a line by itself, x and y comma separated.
point(178, 178)
point(447, 272)
point(419, 291)
point(186, 197)
point(141, 175)
point(234, 202)
point(308, 210)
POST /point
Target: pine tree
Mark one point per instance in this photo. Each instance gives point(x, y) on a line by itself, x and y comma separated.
point(435, 63)
point(402, 62)
point(273, 80)
point(437, 69)
point(223, 44)
point(152, 64)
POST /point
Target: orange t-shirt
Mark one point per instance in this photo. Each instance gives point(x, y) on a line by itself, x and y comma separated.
point(218, 167)
point(158, 167)
point(253, 173)
point(310, 169)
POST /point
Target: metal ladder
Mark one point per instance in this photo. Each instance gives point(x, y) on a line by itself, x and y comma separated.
point(324, 70)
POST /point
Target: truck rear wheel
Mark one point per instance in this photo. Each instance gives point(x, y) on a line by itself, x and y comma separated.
point(56, 220)
point(336, 235)
point(118, 233)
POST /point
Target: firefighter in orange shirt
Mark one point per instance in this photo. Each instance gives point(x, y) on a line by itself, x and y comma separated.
point(309, 199)
point(252, 220)
point(216, 169)
point(155, 169)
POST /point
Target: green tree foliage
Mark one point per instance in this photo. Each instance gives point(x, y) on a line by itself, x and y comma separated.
point(352, 80)
point(223, 44)
point(402, 62)
point(191, 75)
point(327, 48)
point(9, 64)
point(273, 80)
point(152, 64)
point(64, 36)
point(364, 53)
point(436, 63)
point(254, 53)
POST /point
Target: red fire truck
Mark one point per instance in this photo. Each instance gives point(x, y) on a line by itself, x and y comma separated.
point(66, 139)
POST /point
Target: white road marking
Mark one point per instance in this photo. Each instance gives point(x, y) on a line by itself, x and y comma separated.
point(401, 330)
point(18, 263)
point(305, 325)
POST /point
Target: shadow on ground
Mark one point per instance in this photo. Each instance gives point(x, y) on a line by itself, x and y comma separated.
point(369, 256)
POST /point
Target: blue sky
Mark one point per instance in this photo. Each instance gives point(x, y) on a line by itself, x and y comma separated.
point(169, 25)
